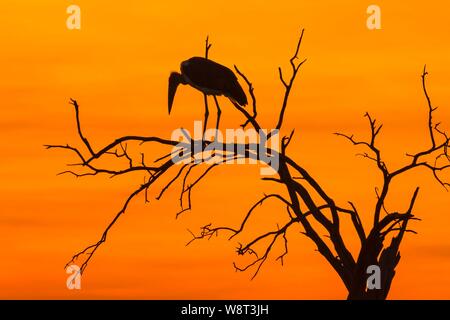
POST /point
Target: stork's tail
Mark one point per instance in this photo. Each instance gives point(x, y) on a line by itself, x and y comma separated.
point(236, 93)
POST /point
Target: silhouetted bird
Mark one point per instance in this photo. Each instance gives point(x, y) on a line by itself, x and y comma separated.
point(208, 77)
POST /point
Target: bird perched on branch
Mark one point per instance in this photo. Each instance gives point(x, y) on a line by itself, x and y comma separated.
point(210, 78)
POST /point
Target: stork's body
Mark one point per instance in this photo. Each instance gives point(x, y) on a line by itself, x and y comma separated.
point(208, 77)
point(202, 74)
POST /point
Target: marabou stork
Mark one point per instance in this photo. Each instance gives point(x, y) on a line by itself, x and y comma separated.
point(210, 78)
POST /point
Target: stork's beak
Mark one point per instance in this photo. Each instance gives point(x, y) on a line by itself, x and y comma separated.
point(170, 104)
point(174, 81)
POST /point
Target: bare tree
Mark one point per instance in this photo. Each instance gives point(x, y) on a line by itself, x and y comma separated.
point(307, 203)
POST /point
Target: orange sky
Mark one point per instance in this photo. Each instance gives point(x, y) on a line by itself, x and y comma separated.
point(117, 66)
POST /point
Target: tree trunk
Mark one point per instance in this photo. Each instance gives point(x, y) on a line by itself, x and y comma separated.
point(370, 256)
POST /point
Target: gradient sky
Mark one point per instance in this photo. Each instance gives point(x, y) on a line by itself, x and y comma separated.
point(117, 66)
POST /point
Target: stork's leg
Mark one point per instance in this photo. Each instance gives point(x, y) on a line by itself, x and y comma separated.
point(219, 112)
point(205, 121)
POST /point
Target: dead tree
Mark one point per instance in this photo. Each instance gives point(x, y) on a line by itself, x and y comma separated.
point(307, 203)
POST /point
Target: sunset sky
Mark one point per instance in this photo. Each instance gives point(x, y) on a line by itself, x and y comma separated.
point(117, 66)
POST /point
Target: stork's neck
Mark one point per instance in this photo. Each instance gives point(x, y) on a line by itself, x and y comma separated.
point(184, 79)
point(180, 77)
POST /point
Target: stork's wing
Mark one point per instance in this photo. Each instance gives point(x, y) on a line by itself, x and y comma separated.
point(174, 80)
point(210, 76)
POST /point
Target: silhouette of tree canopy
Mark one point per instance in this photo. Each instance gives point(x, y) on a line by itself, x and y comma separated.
point(307, 203)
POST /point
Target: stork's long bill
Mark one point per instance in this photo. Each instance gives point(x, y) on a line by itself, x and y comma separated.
point(208, 77)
